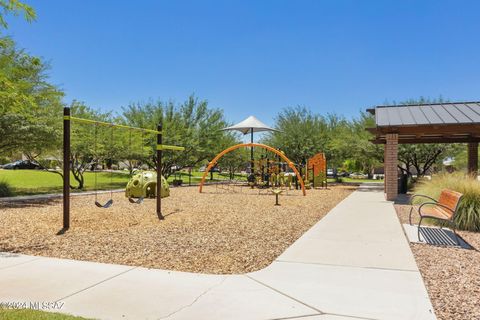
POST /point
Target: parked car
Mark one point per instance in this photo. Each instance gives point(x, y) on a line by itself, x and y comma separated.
point(357, 175)
point(21, 164)
point(344, 174)
point(214, 169)
point(331, 173)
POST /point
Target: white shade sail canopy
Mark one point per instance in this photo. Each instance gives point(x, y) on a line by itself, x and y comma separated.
point(249, 125)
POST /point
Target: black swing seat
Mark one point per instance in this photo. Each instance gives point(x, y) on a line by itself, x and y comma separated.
point(137, 201)
point(106, 205)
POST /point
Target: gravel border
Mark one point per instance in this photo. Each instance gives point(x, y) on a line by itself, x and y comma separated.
point(451, 275)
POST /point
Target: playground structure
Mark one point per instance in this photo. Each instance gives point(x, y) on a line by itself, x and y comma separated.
point(275, 178)
point(133, 188)
point(317, 165)
point(143, 185)
point(264, 172)
point(271, 172)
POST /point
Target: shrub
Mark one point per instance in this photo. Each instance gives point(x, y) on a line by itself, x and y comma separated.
point(4, 160)
point(5, 189)
point(468, 216)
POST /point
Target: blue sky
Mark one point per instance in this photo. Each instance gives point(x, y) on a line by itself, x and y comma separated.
point(256, 57)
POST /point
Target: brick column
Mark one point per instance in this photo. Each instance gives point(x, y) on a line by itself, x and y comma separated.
point(390, 164)
point(473, 158)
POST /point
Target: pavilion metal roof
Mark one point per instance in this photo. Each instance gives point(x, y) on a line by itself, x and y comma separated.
point(428, 123)
point(424, 114)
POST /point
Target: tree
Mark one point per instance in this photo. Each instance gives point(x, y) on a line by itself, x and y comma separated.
point(235, 160)
point(350, 142)
point(191, 124)
point(422, 157)
point(91, 144)
point(15, 8)
point(29, 105)
point(301, 134)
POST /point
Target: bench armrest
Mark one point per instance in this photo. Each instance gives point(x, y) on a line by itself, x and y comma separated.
point(422, 196)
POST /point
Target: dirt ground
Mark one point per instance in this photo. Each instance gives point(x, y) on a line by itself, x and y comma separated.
point(214, 232)
point(452, 276)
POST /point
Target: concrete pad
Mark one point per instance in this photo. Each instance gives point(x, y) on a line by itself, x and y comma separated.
point(242, 298)
point(435, 236)
point(158, 294)
point(49, 279)
point(351, 253)
point(351, 291)
point(363, 231)
point(8, 259)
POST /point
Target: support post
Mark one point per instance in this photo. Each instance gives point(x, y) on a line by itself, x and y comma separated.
point(251, 152)
point(306, 172)
point(326, 176)
point(159, 173)
point(66, 168)
point(268, 172)
point(473, 159)
point(313, 173)
point(391, 169)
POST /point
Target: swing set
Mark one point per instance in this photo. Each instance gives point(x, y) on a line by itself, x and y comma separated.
point(67, 119)
point(109, 203)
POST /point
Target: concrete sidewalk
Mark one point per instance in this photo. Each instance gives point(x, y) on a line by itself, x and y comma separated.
point(353, 264)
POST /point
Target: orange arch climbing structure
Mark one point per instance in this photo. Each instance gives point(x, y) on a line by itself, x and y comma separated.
point(212, 163)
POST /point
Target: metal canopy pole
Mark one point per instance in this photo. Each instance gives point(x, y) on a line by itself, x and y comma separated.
point(159, 173)
point(66, 168)
point(251, 151)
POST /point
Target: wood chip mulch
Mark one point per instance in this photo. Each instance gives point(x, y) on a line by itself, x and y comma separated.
point(217, 232)
point(451, 275)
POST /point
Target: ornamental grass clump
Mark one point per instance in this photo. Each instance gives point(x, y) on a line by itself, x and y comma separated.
point(468, 215)
point(5, 189)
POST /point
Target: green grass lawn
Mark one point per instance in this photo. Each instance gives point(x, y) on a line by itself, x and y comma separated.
point(359, 180)
point(29, 314)
point(28, 182)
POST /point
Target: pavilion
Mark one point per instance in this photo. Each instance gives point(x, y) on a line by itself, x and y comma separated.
point(457, 122)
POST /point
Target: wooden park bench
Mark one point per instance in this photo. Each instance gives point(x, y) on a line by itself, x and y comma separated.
point(445, 208)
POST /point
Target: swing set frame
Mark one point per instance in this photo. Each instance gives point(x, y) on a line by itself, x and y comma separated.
point(67, 119)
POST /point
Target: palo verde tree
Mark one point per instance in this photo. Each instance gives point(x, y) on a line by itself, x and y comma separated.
point(350, 143)
point(191, 124)
point(233, 161)
point(301, 134)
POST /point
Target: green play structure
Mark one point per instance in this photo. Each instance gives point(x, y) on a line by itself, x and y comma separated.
point(143, 185)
